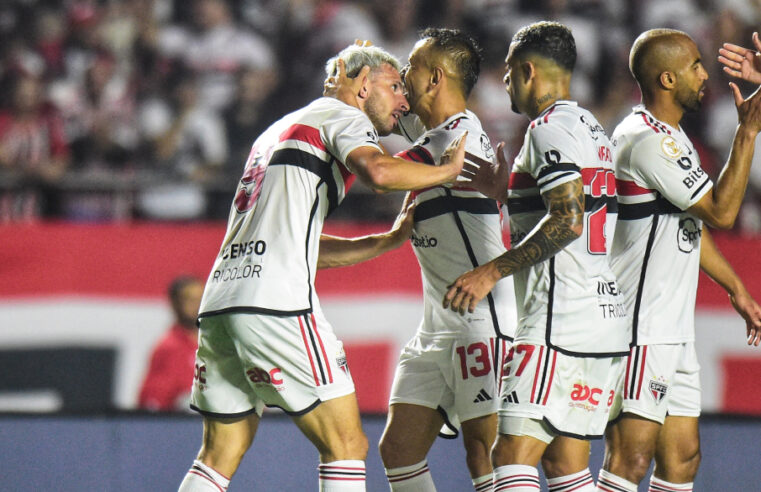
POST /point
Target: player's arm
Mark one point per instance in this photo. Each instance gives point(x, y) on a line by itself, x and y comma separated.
point(338, 251)
point(742, 63)
point(488, 178)
point(562, 225)
point(383, 172)
point(713, 263)
point(720, 205)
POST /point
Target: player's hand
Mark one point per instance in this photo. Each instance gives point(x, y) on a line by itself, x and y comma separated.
point(742, 63)
point(454, 156)
point(363, 42)
point(751, 313)
point(470, 287)
point(344, 88)
point(402, 228)
point(489, 178)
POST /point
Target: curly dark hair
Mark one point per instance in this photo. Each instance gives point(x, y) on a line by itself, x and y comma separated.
point(462, 49)
point(550, 40)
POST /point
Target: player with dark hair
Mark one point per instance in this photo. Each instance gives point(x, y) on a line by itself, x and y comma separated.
point(448, 374)
point(263, 337)
point(659, 245)
point(166, 386)
point(566, 360)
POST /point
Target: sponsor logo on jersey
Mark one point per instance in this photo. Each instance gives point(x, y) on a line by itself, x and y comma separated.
point(658, 389)
point(594, 130)
point(670, 147)
point(236, 273)
point(262, 377)
point(373, 136)
point(486, 147)
point(423, 241)
point(688, 235)
point(238, 250)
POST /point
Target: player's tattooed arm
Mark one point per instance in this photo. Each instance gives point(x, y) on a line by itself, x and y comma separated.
point(562, 225)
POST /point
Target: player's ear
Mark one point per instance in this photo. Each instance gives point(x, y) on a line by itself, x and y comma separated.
point(437, 74)
point(527, 71)
point(364, 88)
point(667, 80)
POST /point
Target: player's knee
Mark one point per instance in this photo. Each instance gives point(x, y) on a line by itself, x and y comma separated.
point(632, 466)
point(389, 448)
point(352, 446)
point(554, 467)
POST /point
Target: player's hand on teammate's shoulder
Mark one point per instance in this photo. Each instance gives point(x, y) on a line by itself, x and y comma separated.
point(747, 307)
point(742, 63)
point(490, 180)
point(343, 87)
point(470, 287)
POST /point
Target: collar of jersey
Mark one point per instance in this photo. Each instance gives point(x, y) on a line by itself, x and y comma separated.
point(640, 108)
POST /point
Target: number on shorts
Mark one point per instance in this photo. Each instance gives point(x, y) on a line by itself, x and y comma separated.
point(482, 365)
point(528, 349)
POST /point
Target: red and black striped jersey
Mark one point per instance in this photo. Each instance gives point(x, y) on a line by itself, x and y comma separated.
point(656, 245)
point(570, 302)
point(294, 177)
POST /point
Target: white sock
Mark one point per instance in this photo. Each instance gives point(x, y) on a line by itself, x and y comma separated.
point(482, 483)
point(516, 478)
point(342, 476)
point(608, 482)
point(660, 485)
point(577, 482)
point(203, 478)
point(413, 478)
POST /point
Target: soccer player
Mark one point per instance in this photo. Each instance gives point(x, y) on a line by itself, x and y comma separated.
point(448, 374)
point(567, 356)
point(263, 338)
point(659, 243)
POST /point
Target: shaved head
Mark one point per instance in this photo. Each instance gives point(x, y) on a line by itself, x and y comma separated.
point(657, 51)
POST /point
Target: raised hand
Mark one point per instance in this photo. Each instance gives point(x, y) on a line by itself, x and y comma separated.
point(454, 156)
point(742, 63)
point(489, 178)
point(345, 88)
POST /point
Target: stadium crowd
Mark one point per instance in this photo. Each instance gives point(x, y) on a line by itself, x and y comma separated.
point(120, 109)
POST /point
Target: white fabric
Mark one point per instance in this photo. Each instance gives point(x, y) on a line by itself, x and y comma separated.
point(457, 229)
point(412, 478)
point(247, 360)
point(573, 395)
point(570, 301)
point(203, 478)
point(294, 177)
point(656, 246)
point(516, 478)
point(342, 476)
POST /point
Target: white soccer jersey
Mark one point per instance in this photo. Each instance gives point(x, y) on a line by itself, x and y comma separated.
point(294, 177)
point(656, 247)
point(570, 302)
point(456, 229)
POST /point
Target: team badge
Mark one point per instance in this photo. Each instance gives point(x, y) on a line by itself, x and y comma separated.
point(341, 360)
point(658, 390)
point(670, 147)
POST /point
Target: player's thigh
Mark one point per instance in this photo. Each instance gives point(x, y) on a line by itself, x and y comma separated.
point(565, 456)
point(335, 428)
point(514, 449)
point(632, 437)
point(225, 441)
point(409, 434)
point(678, 443)
point(480, 430)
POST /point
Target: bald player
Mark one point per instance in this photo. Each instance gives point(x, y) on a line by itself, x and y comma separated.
point(664, 197)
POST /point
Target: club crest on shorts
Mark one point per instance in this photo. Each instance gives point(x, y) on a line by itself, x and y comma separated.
point(658, 389)
point(341, 360)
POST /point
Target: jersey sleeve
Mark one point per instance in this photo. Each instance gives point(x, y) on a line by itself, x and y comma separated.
point(347, 129)
point(662, 165)
point(556, 157)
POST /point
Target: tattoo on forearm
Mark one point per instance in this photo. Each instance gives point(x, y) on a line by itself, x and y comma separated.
point(566, 214)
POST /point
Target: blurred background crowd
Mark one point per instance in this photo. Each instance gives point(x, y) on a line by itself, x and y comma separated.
point(116, 110)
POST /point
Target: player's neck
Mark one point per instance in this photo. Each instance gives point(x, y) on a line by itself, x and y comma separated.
point(441, 111)
point(664, 109)
point(545, 96)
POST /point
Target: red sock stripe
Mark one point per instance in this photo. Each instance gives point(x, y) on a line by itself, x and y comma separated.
point(401, 477)
point(200, 473)
point(515, 481)
point(572, 484)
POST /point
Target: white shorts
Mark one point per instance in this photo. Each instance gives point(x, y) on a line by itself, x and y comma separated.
point(246, 361)
point(571, 395)
point(662, 380)
point(455, 375)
